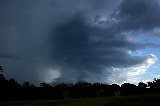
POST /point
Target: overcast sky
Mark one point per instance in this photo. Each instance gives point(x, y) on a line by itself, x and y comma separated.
point(109, 41)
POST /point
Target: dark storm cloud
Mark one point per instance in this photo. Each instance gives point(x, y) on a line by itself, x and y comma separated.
point(65, 35)
point(82, 57)
point(138, 15)
point(87, 49)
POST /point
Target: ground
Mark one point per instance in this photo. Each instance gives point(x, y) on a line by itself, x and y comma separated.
point(138, 100)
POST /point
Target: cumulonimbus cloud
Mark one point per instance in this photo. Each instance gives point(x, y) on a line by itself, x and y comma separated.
point(74, 40)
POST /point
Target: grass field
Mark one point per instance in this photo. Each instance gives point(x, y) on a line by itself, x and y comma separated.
point(141, 100)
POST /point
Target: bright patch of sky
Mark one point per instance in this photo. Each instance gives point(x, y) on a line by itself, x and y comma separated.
point(153, 70)
point(133, 74)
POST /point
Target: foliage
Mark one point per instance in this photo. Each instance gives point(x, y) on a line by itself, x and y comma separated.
point(11, 90)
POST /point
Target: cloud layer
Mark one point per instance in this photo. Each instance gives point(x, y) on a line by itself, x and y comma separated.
point(72, 40)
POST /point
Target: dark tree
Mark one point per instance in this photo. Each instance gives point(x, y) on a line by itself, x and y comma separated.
point(45, 85)
point(26, 84)
point(142, 85)
point(13, 83)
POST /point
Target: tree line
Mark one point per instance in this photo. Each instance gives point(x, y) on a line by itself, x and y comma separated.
point(11, 90)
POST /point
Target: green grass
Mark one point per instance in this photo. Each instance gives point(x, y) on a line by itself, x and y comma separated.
point(139, 100)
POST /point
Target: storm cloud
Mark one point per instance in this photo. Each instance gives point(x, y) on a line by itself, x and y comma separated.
point(75, 47)
point(70, 41)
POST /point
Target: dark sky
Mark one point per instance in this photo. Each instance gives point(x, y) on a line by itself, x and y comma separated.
point(77, 40)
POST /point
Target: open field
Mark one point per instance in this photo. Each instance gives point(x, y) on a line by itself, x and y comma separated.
point(139, 100)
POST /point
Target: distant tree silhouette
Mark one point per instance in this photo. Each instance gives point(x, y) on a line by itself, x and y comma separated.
point(3, 82)
point(32, 85)
point(14, 91)
point(142, 85)
point(116, 89)
point(128, 89)
point(44, 85)
point(26, 84)
point(157, 83)
point(13, 83)
point(1, 71)
point(154, 84)
point(151, 85)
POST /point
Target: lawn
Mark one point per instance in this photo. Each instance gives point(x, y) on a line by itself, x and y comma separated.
point(139, 100)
